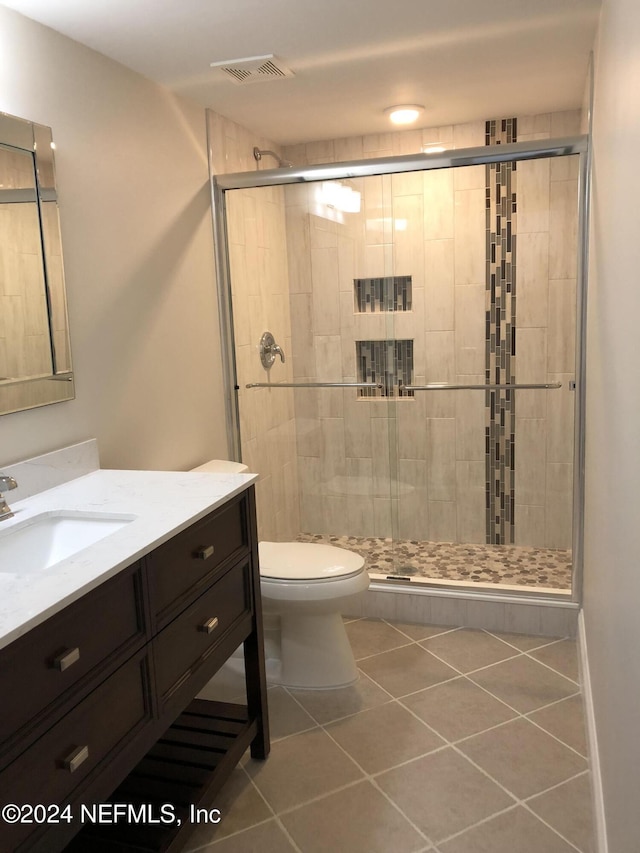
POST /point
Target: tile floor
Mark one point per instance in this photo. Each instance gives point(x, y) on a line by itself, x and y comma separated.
point(488, 564)
point(452, 741)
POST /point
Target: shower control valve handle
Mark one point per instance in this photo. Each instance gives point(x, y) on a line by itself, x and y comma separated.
point(269, 349)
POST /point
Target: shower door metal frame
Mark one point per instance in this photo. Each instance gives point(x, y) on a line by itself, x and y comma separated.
point(479, 156)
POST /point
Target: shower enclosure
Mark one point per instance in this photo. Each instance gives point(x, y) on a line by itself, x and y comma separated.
point(425, 409)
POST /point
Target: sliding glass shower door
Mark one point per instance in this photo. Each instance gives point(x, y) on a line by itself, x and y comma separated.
point(419, 406)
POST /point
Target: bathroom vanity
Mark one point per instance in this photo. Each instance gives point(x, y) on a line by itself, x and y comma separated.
point(103, 653)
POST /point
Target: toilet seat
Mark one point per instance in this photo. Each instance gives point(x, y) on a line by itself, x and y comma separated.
point(307, 562)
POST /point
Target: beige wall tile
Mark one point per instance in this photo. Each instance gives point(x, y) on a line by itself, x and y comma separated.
point(531, 367)
point(529, 525)
point(566, 123)
point(563, 236)
point(437, 137)
point(406, 142)
point(347, 263)
point(470, 236)
point(360, 517)
point(323, 233)
point(442, 521)
point(440, 367)
point(407, 183)
point(532, 279)
point(320, 152)
point(565, 168)
point(408, 238)
point(470, 421)
point(532, 191)
point(310, 497)
point(439, 284)
point(347, 149)
point(438, 205)
point(328, 353)
point(383, 452)
point(377, 207)
point(302, 354)
point(470, 177)
point(440, 358)
point(332, 448)
point(470, 502)
point(378, 260)
point(469, 135)
point(266, 517)
point(470, 329)
point(561, 357)
point(382, 517)
point(530, 461)
point(357, 419)
point(326, 303)
point(413, 520)
point(336, 518)
point(441, 459)
point(560, 419)
point(412, 428)
point(559, 505)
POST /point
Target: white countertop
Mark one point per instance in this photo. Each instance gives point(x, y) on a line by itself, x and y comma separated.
point(163, 503)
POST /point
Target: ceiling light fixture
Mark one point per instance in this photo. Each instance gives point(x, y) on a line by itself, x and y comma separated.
point(404, 113)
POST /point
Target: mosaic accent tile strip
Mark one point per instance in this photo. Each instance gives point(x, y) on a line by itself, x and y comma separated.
point(377, 295)
point(492, 564)
point(500, 345)
point(387, 362)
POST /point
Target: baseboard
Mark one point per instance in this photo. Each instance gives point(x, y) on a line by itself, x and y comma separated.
point(592, 740)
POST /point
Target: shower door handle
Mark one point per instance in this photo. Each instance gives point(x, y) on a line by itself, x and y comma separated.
point(443, 386)
point(314, 385)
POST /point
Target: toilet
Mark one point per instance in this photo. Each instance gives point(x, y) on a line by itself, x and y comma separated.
point(305, 588)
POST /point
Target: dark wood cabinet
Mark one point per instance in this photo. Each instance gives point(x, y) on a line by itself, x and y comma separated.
point(98, 701)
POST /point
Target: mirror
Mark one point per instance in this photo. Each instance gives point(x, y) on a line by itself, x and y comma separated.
point(35, 354)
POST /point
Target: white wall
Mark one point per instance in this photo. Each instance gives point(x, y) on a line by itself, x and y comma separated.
point(136, 227)
point(612, 541)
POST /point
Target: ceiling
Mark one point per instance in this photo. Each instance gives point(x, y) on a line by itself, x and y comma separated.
point(462, 59)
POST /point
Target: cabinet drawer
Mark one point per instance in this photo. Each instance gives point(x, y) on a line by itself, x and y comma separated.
point(189, 640)
point(190, 560)
point(77, 745)
point(50, 662)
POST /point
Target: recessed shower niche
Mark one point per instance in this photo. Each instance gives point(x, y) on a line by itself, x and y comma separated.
point(387, 363)
point(386, 293)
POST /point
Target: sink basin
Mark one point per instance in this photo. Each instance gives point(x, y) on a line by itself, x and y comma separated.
point(40, 542)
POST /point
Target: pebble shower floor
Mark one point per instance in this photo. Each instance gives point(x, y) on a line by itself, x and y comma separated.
point(494, 564)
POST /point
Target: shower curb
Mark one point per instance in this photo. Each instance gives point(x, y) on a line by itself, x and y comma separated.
point(546, 617)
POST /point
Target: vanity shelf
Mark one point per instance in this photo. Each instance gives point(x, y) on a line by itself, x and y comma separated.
point(186, 767)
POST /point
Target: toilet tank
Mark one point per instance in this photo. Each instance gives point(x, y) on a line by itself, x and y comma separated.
point(222, 466)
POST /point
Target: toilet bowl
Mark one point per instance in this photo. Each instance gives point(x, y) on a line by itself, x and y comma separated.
point(305, 588)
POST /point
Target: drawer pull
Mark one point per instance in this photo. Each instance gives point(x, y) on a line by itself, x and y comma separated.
point(73, 761)
point(205, 552)
point(209, 626)
point(66, 659)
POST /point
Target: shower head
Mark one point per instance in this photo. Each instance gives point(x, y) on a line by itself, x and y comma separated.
point(259, 153)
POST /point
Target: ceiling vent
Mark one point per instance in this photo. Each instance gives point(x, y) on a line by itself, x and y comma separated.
point(254, 69)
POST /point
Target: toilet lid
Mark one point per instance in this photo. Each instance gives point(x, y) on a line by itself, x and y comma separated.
point(307, 561)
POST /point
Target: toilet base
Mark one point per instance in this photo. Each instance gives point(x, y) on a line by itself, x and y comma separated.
point(315, 653)
point(308, 652)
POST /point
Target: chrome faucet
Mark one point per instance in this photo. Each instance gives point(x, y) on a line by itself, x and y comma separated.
point(6, 484)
